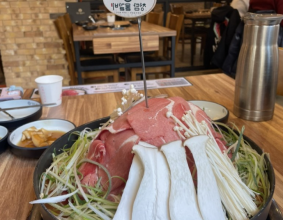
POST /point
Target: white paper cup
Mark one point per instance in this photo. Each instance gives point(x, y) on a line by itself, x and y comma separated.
point(50, 89)
point(110, 17)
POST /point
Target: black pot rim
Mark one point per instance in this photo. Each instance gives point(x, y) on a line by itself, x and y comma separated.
point(268, 202)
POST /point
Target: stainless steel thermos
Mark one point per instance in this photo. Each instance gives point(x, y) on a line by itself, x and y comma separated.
point(257, 68)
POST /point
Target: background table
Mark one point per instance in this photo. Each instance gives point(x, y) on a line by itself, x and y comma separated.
point(16, 174)
point(79, 34)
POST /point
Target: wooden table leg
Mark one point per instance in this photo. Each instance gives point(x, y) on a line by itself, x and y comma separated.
point(78, 62)
point(193, 42)
point(183, 41)
point(173, 46)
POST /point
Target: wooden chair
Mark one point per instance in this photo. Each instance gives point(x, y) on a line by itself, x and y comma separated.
point(68, 24)
point(173, 22)
point(155, 18)
point(70, 57)
point(86, 51)
point(187, 29)
point(158, 7)
point(179, 10)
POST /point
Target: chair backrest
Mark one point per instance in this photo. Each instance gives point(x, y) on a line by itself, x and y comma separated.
point(158, 7)
point(68, 22)
point(175, 22)
point(69, 27)
point(65, 36)
point(155, 18)
point(175, 9)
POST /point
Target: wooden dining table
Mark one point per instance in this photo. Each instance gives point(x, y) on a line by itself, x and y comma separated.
point(16, 174)
point(103, 33)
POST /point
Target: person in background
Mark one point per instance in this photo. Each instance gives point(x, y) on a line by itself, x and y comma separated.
point(272, 5)
point(241, 5)
point(264, 5)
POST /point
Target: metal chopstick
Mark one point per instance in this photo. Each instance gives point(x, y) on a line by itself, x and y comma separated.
point(29, 106)
point(11, 116)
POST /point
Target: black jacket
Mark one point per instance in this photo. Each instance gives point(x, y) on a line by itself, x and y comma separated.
point(224, 21)
point(229, 66)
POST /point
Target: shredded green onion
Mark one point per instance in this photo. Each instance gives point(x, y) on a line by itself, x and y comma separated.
point(250, 165)
point(91, 202)
point(62, 176)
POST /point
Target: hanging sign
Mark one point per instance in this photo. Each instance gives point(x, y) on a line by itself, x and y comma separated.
point(129, 8)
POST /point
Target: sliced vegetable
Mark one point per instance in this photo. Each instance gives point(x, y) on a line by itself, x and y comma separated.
point(144, 207)
point(163, 187)
point(162, 184)
point(125, 207)
point(55, 199)
point(182, 199)
point(208, 196)
point(84, 202)
point(250, 165)
point(236, 197)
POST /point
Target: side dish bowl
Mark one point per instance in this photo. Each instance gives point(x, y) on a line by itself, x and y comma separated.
point(215, 111)
point(68, 139)
point(3, 139)
point(89, 27)
point(81, 23)
point(21, 116)
point(35, 152)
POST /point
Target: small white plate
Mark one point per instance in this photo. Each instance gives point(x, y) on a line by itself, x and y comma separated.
point(47, 124)
point(21, 116)
point(18, 113)
point(213, 110)
point(3, 132)
point(35, 152)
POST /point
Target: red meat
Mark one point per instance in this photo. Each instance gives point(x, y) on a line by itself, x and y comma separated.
point(113, 146)
point(69, 92)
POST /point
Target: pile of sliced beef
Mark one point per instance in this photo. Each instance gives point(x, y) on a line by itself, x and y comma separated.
point(113, 147)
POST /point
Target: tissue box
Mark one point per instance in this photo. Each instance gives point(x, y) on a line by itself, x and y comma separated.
point(5, 94)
